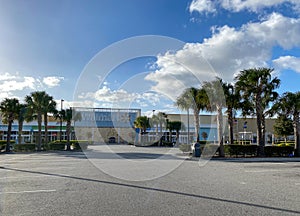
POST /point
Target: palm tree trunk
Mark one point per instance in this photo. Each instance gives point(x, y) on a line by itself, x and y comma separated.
point(197, 124)
point(9, 126)
point(177, 138)
point(68, 131)
point(160, 133)
point(259, 117)
point(230, 126)
point(39, 137)
point(20, 132)
point(46, 128)
point(263, 128)
point(220, 131)
point(296, 133)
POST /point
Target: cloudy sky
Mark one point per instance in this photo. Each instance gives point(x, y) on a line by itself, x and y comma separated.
point(93, 53)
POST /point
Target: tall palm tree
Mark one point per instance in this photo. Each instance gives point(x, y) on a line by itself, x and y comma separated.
point(9, 111)
point(76, 117)
point(67, 116)
point(232, 103)
point(21, 118)
point(289, 104)
point(142, 122)
point(177, 126)
point(49, 106)
point(38, 103)
point(195, 99)
point(257, 86)
point(217, 102)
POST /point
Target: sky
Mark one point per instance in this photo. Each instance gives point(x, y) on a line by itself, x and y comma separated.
point(142, 53)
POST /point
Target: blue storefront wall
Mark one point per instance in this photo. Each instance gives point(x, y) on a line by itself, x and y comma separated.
point(212, 134)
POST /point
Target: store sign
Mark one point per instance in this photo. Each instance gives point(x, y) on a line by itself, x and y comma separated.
point(106, 119)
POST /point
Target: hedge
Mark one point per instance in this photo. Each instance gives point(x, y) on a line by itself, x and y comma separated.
point(281, 151)
point(3, 142)
point(75, 144)
point(24, 147)
point(58, 146)
point(240, 150)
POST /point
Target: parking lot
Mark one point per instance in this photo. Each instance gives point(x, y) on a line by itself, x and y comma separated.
point(72, 183)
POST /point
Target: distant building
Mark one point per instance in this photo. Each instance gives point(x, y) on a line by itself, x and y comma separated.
point(107, 124)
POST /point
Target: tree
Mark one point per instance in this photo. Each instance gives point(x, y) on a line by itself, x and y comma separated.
point(9, 111)
point(256, 87)
point(142, 122)
point(195, 99)
point(49, 106)
point(283, 126)
point(204, 135)
point(76, 116)
point(158, 120)
point(215, 92)
point(289, 104)
point(67, 116)
point(38, 103)
point(22, 116)
point(232, 98)
point(177, 126)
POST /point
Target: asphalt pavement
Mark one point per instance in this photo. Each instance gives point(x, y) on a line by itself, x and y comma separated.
point(118, 181)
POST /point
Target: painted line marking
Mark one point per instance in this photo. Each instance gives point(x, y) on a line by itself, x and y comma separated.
point(22, 192)
point(261, 171)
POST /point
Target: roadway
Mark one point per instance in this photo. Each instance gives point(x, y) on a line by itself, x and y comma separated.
point(72, 183)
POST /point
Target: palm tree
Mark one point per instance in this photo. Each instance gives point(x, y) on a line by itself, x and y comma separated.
point(66, 115)
point(76, 117)
point(195, 99)
point(289, 104)
point(21, 118)
point(9, 111)
point(215, 92)
point(177, 126)
point(256, 86)
point(232, 102)
point(49, 106)
point(38, 103)
point(142, 122)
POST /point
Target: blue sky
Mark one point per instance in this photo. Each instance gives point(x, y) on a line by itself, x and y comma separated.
point(46, 45)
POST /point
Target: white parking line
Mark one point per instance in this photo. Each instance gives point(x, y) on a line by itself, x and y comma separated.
point(262, 171)
point(22, 192)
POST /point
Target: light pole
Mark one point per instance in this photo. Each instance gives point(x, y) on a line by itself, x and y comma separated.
point(61, 108)
point(188, 129)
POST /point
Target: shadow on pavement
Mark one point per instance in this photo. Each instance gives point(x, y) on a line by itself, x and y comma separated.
point(158, 190)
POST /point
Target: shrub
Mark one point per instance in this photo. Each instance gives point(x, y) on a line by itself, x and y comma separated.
point(56, 145)
point(240, 150)
point(24, 147)
point(280, 151)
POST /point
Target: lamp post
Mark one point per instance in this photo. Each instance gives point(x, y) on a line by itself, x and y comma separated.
point(61, 108)
point(188, 123)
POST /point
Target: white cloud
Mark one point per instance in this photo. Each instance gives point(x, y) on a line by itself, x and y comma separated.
point(207, 6)
point(202, 6)
point(288, 62)
point(228, 50)
point(17, 84)
point(52, 81)
point(7, 76)
point(106, 97)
